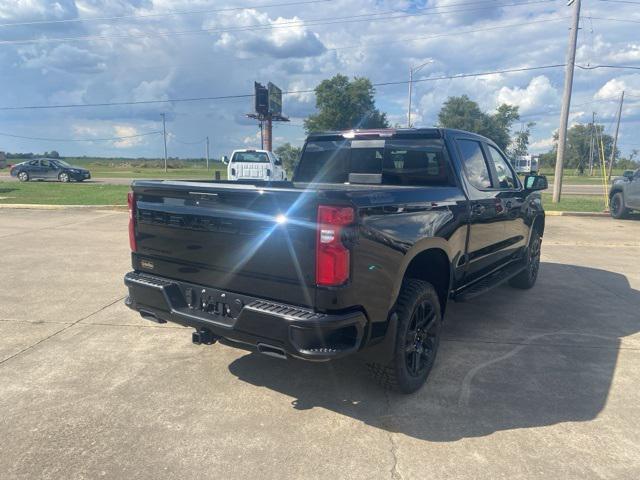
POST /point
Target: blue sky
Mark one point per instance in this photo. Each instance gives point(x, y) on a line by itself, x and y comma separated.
point(101, 51)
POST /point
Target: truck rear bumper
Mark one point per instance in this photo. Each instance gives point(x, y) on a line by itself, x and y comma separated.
point(268, 326)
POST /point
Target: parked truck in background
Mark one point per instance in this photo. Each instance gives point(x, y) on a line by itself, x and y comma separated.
point(254, 165)
point(359, 254)
point(624, 194)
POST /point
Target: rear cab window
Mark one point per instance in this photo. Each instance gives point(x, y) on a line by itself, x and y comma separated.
point(250, 157)
point(412, 162)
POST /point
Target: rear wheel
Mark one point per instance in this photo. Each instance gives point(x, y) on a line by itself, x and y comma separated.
point(417, 339)
point(527, 278)
point(23, 176)
point(617, 208)
point(64, 177)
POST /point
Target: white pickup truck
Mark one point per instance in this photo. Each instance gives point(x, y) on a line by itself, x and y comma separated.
point(254, 165)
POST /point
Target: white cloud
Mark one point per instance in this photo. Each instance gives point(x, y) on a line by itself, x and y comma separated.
point(294, 57)
point(538, 95)
point(285, 37)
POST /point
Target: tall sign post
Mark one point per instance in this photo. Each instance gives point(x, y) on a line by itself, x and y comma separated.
point(267, 109)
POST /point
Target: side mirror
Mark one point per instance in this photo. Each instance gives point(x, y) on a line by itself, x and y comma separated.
point(277, 162)
point(535, 182)
point(225, 160)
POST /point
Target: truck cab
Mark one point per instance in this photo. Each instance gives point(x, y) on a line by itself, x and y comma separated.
point(251, 164)
point(358, 254)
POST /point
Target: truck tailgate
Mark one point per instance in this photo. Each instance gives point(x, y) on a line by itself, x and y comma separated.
point(239, 238)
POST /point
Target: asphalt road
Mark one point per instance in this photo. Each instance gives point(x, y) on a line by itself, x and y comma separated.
point(536, 384)
point(567, 189)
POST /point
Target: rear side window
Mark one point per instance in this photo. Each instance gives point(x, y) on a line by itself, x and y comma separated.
point(250, 157)
point(506, 178)
point(416, 163)
point(475, 166)
point(400, 162)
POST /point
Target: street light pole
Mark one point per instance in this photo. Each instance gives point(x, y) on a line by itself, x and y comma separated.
point(410, 89)
point(413, 70)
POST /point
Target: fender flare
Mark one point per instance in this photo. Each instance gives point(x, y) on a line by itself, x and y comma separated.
point(423, 245)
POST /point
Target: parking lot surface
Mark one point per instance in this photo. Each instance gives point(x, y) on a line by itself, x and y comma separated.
point(527, 384)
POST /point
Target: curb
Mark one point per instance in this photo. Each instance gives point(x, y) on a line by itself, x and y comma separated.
point(557, 213)
point(35, 206)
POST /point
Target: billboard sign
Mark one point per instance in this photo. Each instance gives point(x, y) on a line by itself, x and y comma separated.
point(261, 94)
point(275, 99)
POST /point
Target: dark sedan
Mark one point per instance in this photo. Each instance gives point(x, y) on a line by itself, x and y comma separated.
point(49, 169)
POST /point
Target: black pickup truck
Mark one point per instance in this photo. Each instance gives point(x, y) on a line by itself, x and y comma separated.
point(358, 254)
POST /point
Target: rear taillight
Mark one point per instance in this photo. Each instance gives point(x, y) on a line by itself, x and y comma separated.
point(332, 257)
point(131, 202)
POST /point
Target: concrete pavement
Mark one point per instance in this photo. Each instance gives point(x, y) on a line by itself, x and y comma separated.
point(535, 384)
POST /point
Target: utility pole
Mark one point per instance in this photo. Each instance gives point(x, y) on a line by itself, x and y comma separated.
point(615, 138)
point(566, 100)
point(413, 70)
point(164, 136)
point(593, 126)
point(410, 90)
point(207, 152)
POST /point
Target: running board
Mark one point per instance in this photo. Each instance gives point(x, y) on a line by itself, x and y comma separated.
point(490, 281)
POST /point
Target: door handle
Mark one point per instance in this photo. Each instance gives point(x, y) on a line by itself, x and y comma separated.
point(478, 209)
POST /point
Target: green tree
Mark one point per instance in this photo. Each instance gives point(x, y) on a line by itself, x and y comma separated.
point(465, 114)
point(579, 145)
point(520, 143)
point(343, 104)
point(289, 156)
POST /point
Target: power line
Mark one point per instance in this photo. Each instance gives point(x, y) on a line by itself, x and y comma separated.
point(626, 20)
point(290, 92)
point(250, 95)
point(197, 142)
point(194, 12)
point(412, 39)
point(272, 26)
point(156, 15)
point(452, 34)
point(621, 1)
point(79, 139)
point(622, 67)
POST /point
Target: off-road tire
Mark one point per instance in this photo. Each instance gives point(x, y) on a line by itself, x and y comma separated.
point(397, 374)
point(527, 278)
point(617, 208)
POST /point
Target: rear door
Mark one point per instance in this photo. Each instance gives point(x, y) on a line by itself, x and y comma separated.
point(486, 231)
point(509, 203)
point(48, 169)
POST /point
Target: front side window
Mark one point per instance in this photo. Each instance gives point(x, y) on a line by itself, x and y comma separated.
point(45, 163)
point(474, 164)
point(251, 157)
point(506, 178)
